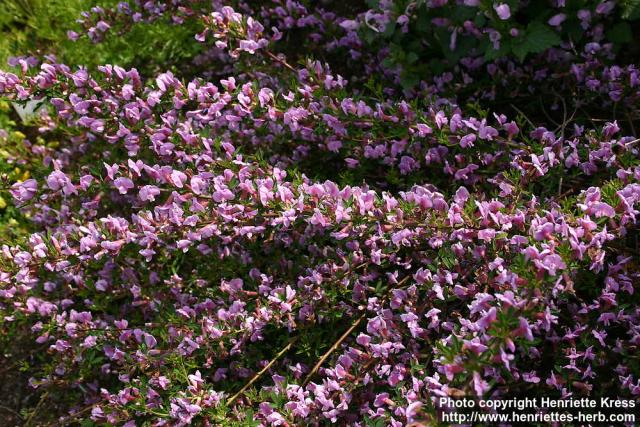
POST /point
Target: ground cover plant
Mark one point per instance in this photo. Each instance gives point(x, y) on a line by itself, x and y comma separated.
point(302, 213)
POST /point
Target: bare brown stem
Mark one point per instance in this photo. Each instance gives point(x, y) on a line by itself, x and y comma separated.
point(262, 371)
point(333, 348)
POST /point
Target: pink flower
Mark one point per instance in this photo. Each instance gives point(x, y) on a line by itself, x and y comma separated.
point(503, 11)
point(57, 180)
point(178, 178)
point(558, 19)
point(524, 329)
point(467, 140)
point(552, 263)
point(480, 386)
point(488, 318)
point(249, 46)
point(148, 193)
point(123, 184)
point(487, 234)
point(24, 191)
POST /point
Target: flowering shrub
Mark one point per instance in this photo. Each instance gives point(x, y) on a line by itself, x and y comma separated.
point(268, 240)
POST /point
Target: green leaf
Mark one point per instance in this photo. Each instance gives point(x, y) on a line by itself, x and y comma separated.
point(412, 58)
point(491, 53)
point(631, 9)
point(480, 20)
point(538, 38)
point(422, 24)
point(389, 30)
point(620, 33)
point(541, 37)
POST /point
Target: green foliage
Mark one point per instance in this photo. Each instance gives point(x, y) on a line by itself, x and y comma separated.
point(631, 9)
point(33, 26)
point(38, 27)
point(422, 50)
point(621, 33)
point(537, 38)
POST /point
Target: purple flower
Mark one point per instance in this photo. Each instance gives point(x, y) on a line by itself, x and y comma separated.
point(488, 318)
point(605, 7)
point(503, 11)
point(24, 191)
point(480, 386)
point(487, 234)
point(123, 184)
point(57, 180)
point(524, 329)
point(558, 19)
point(467, 140)
point(551, 263)
point(150, 341)
point(148, 192)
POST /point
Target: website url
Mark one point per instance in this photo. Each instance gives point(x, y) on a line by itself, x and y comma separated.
point(549, 417)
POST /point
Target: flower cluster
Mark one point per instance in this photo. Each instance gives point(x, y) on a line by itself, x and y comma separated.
point(300, 246)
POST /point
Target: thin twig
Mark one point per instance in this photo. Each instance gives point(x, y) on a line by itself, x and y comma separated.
point(8, 368)
point(630, 143)
point(564, 114)
point(523, 115)
point(560, 186)
point(14, 412)
point(263, 370)
point(547, 114)
point(333, 348)
point(280, 60)
point(27, 423)
point(348, 332)
point(633, 128)
point(67, 420)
